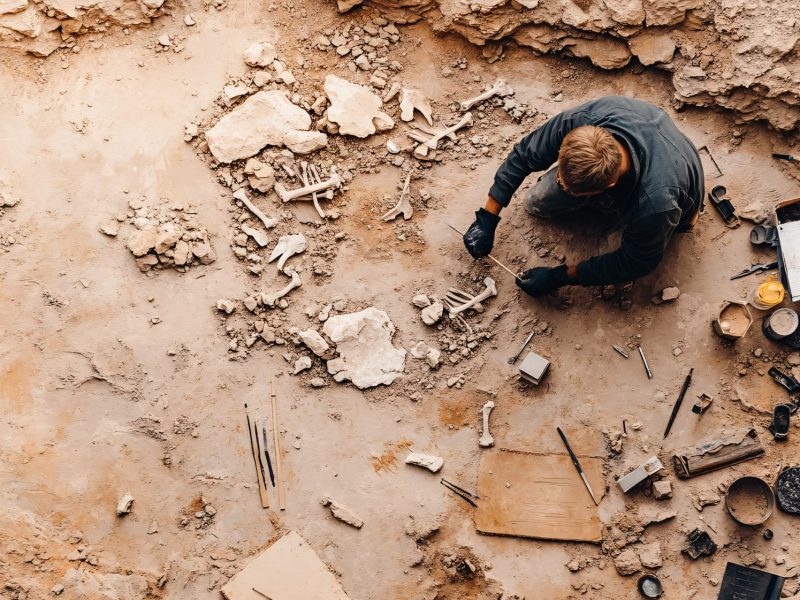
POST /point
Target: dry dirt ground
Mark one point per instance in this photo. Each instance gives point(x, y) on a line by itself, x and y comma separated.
point(115, 381)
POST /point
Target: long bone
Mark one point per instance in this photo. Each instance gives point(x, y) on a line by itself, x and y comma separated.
point(304, 165)
point(270, 300)
point(404, 205)
point(421, 151)
point(486, 440)
point(334, 181)
point(268, 222)
point(500, 88)
point(491, 290)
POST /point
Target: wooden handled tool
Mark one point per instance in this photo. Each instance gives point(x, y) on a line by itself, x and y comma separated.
point(262, 490)
point(276, 440)
point(489, 256)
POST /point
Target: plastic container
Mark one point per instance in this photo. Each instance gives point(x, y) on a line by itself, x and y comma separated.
point(767, 295)
point(733, 321)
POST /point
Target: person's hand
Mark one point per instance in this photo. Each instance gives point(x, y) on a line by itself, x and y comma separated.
point(542, 281)
point(479, 238)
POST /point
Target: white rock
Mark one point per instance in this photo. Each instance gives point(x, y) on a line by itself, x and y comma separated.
point(8, 7)
point(225, 305)
point(315, 342)
point(124, 505)
point(182, 253)
point(305, 142)
point(165, 41)
point(354, 108)
point(110, 228)
point(364, 343)
point(142, 241)
point(432, 314)
point(433, 358)
point(427, 461)
point(420, 350)
point(166, 237)
point(650, 555)
point(302, 364)
point(261, 120)
point(260, 54)
point(189, 21)
point(421, 301)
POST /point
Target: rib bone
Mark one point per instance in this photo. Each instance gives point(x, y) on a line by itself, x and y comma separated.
point(500, 88)
point(421, 151)
point(268, 222)
point(457, 297)
point(404, 205)
point(271, 299)
point(491, 290)
point(486, 440)
point(334, 181)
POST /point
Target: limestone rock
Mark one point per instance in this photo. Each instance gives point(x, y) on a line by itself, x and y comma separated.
point(260, 54)
point(305, 142)
point(652, 48)
point(421, 301)
point(364, 343)
point(261, 120)
point(110, 228)
point(225, 305)
point(426, 461)
point(343, 514)
point(650, 555)
point(166, 237)
point(606, 53)
point(627, 563)
point(260, 176)
point(301, 364)
point(315, 342)
point(124, 505)
point(8, 7)
point(432, 314)
point(142, 241)
point(354, 108)
point(662, 490)
point(27, 22)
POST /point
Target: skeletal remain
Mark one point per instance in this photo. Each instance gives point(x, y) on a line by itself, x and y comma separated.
point(404, 205)
point(391, 92)
point(305, 172)
point(500, 88)
point(241, 196)
point(334, 181)
point(287, 246)
point(421, 151)
point(457, 297)
point(412, 99)
point(450, 304)
point(317, 178)
point(340, 512)
point(491, 290)
point(426, 461)
point(486, 440)
point(271, 299)
point(431, 130)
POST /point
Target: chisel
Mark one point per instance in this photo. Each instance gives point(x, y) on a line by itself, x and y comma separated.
point(577, 465)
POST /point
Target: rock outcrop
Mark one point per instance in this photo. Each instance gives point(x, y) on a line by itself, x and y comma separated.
point(742, 56)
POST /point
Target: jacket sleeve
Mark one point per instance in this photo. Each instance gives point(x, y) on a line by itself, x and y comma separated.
point(642, 248)
point(536, 152)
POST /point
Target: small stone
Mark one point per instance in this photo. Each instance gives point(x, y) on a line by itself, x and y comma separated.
point(225, 305)
point(302, 364)
point(627, 563)
point(317, 382)
point(432, 314)
point(677, 352)
point(152, 528)
point(110, 228)
point(670, 293)
point(259, 54)
point(793, 359)
point(189, 21)
point(650, 555)
point(421, 301)
point(124, 505)
point(57, 589)
point(165, 41)
point(662, 490)
point(426, 461)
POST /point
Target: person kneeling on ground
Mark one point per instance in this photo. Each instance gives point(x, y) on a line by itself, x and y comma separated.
point(619, 155)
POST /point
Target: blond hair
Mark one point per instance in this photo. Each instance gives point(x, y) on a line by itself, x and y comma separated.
point(588, 160)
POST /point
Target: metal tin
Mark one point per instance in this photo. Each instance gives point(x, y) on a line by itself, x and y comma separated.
point(780, 324)
point(649, 586)
point(748, 490)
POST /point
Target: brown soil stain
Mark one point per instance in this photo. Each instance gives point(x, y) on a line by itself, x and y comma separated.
point(387, 461)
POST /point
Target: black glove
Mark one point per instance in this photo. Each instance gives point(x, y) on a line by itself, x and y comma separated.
point(479, 238)
point(542, 281)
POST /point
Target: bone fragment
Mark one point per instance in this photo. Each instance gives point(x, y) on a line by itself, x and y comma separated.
point(242, 196)
point(426, 461)
point(393, 90)
point(287, 246)
point(342, 513)
point(404, 205)
point(500, 88)
point(334, 181)
point(486, 440)
point(421, 151)
point(491, 290)
point(124, 505)
point(412, 99)
point(270, 299)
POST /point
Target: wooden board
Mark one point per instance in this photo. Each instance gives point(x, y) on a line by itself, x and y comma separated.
point(287, 570)
point(546, 497)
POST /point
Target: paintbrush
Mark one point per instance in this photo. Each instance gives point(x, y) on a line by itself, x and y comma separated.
point(678, 402)
point(258, 453)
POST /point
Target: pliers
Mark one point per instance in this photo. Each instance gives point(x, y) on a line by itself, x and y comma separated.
point(757, 268)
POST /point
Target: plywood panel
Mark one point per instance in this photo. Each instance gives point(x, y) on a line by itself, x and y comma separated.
point(287, 570)
point(538, 496)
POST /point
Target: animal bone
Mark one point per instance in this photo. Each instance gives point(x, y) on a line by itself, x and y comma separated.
point(450, 304)
point(271, 299)
point(500, 88)
point(421, 151)
point(241, 196)
point(457, 297)
point(305, 171)
point(486, 440)
point(412, 99)
point(287, 246)
point(334, 181)
point(315, 173)
point(404, 205)
point(391, 92)
point(340, 512)
point(426, 461)
point(491, 290)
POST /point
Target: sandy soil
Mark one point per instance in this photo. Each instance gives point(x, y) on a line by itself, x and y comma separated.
point(94, 406)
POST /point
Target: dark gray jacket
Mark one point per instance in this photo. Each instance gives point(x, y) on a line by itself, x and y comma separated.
point(666, 191)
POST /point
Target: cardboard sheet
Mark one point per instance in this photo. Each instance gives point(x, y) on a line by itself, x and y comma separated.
point(287, 570)
point(546, 498)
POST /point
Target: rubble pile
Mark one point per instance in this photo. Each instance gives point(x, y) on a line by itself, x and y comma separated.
point(163, 235)
point(740, 57)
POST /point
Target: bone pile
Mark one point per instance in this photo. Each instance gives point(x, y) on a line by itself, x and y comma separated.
point(163, 235)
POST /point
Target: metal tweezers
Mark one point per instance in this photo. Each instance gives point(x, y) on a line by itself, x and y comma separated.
point(460, 492)
point(757, 268)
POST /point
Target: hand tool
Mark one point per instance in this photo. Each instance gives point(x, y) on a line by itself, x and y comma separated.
point(460, 492)
point(276, 441)
point(723, 205)
point(788, 157)
point(577, 464)
point(757, 268)
point(262, 594)
point(488, 255)
point(262, 491)
point(266, 455)
point(514, 358)
point(686, 383)
point(621, 351)
point(644, 362)
point(258, 452)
